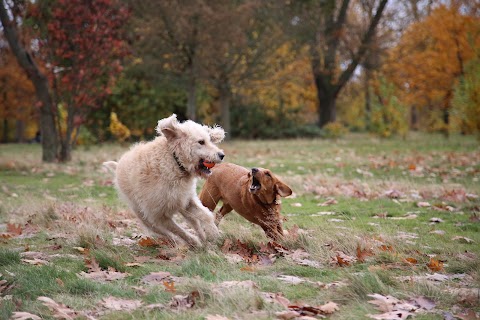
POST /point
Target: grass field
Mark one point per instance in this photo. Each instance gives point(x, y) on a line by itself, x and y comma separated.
point(396, 218)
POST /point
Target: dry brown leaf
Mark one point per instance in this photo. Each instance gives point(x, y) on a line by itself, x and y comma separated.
point(470, 315)
point(60, 311)
point(384, 303)
point(287, 315)
point(276, 298)
point(363, 253)
point(180, 302)
point(36, 262)
point(247, 269)
point(147, 242)
point(411, 260)
point(392, 315)
point(60, 282)
point(156, 277)
point(329, 307)
point(14, 229)
point(342, 259)
point(104, 275)
point(290, 279)
point(463, 239)
point(215, 317)
point(435, 265)
point(119, 304)
point(169, 286)
point(385, 247)
point(24, 316)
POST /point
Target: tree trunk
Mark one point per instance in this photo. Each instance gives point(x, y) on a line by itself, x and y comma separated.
point(20, 131)
point(40, 82)
point(225, 99)
point(192, 99)
point(326, 102)
point(5, 131)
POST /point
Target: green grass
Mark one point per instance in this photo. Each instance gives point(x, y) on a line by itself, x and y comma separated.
point(61, 207)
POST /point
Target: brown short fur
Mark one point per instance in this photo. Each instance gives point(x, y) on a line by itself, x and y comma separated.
point(254, 194)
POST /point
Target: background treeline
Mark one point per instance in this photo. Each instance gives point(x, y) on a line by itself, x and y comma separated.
point(92, 71)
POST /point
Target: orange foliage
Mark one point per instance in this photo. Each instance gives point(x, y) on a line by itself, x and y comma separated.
point(431, 56)
point(16, 91)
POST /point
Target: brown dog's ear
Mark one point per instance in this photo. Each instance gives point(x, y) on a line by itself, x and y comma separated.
point(282, 189)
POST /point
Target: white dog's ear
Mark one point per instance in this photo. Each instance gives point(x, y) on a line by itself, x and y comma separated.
point(217, 134)
point(168, 127)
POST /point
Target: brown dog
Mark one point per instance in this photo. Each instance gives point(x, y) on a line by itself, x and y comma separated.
point(254, 194)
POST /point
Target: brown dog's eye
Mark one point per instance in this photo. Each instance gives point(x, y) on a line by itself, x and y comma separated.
point(268, 174)
point(202, 142)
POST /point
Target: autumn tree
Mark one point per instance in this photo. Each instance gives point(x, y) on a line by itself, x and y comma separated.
point(335, 49)
point(10, 15)
point(430, 59)
point(169, 34)
point(82, 43)
point(16, 98)
point(237, 44)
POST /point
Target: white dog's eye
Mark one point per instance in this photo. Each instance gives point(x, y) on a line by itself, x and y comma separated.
point(202, 142)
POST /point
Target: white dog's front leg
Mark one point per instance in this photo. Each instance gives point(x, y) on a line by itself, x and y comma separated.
point(201, 219)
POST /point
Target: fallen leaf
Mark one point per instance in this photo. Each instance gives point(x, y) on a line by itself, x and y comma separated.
point(169, 286)
point(156, 277)
point(424, 303)
point(435, 265)
point(276, 298)
point(59, 310)
point(119, 304)
point(24, 316)
point(363, 253)
point(436, 220)
point(215, 317)
point(184, 302)
point(329, 307)
point(463, 239)
point(392, 315)
point(36, 262)
point(411, 260)
point(287, 315)
point(104, 275)
point(147, 242)
point(423, 204)
point(14, 229)
point(290, 279)
point(328, 202)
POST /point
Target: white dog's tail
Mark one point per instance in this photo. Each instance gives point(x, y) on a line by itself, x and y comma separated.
point(111, 165)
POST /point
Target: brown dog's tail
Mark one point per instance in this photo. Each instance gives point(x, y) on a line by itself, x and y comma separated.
point(111, 165)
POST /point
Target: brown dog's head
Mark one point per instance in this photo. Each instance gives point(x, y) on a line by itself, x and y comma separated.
point(266, 186)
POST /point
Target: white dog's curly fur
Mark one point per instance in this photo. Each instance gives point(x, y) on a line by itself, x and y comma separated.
point(157, 179)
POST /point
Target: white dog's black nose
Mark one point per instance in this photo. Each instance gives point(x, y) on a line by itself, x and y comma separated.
point(221, 155)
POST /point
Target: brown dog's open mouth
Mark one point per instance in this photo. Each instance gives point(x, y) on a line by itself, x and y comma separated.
point(255, 186)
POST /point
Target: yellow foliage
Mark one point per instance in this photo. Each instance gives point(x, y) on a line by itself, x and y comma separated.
point(334, 130)
point(118, 129)
point(290, 87)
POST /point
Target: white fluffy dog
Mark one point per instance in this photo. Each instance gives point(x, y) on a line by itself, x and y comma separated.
point(158, 178)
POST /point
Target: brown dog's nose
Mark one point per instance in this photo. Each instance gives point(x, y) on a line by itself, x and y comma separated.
point(254, 170)
point(221, 155)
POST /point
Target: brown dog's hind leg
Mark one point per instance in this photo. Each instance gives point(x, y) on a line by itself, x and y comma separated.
point(226, 208)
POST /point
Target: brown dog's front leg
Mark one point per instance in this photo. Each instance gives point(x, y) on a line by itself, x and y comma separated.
point(226, 208)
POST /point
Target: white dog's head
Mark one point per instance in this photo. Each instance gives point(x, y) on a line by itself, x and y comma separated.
point(193, 145)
